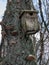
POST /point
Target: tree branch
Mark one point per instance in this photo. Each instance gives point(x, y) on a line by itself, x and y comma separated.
point(41, 13)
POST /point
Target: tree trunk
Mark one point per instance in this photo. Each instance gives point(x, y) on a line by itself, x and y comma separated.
point(19, 46)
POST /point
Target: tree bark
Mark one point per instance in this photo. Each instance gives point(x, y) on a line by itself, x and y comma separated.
point(19, 46)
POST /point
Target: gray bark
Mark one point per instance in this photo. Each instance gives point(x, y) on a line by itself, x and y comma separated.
point(22, 46)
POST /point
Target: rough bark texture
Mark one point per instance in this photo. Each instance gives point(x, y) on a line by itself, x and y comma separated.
point(18, 45)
